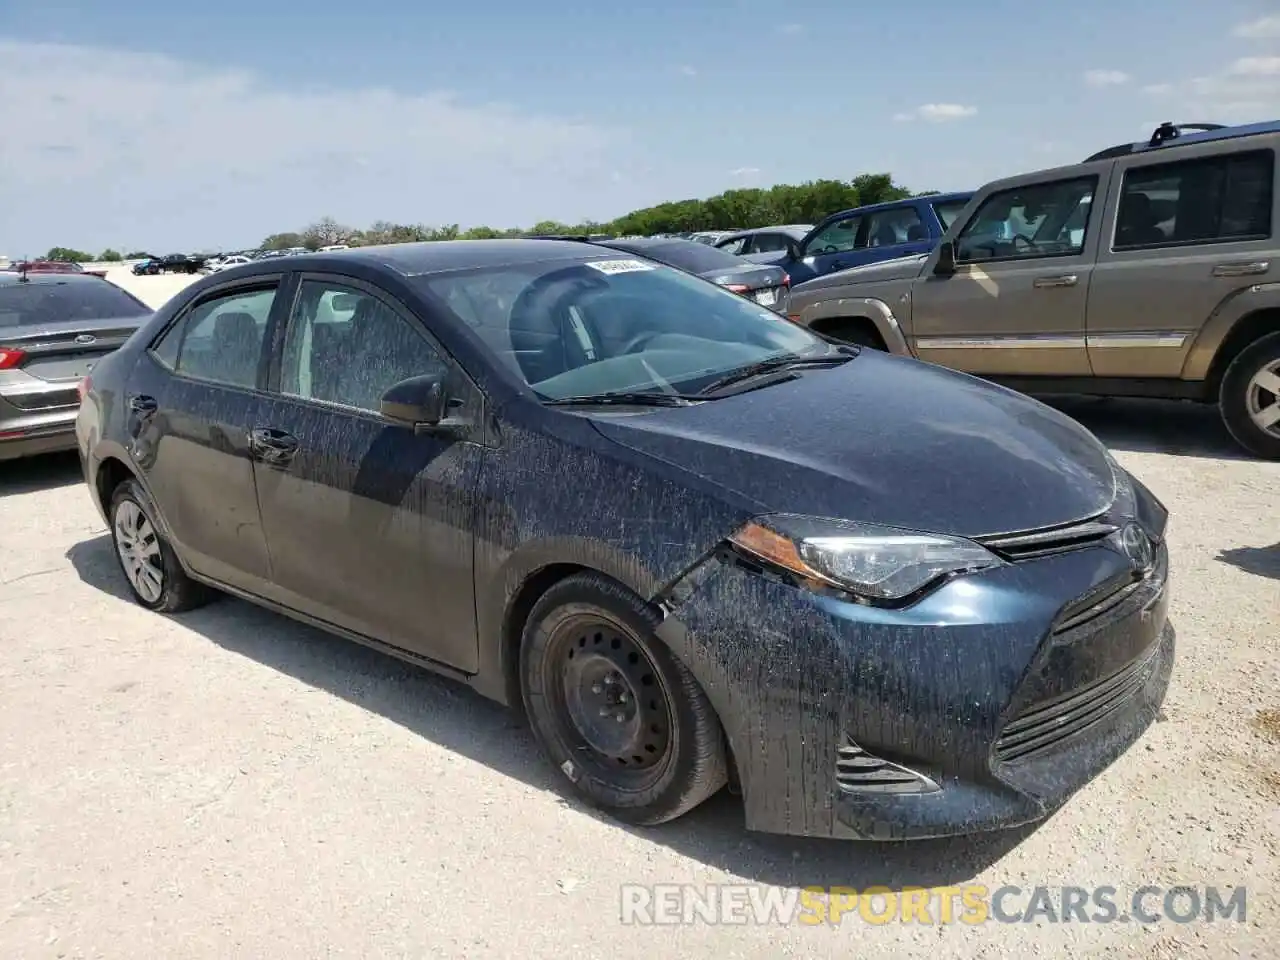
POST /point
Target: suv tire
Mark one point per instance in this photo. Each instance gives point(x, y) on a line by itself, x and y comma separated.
point(1241, 395)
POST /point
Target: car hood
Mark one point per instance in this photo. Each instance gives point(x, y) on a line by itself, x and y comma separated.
point(888, 440)
point(900, 268)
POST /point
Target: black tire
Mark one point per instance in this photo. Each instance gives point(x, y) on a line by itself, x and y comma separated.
point(173, 591)
point(668, 755)
point(1234, 397)
point(862, 334)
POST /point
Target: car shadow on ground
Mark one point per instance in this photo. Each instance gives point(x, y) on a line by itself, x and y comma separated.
point(1260, 561)
point(452, 716)
point(29, 474)
point(1173, 427)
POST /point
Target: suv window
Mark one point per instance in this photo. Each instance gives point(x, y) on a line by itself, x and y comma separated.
point(735, 246)
point(1208, 200)
point(1029, 222)
point(899, 225)
point(838, 237)
point(348, 347)
point(947, 212)
point(220, 339)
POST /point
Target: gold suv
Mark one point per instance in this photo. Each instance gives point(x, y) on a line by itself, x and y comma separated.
point(1150, 270)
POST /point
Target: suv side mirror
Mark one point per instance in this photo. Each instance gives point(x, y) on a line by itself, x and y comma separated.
point(419, 402)
point(793, 250)
point(945, 265)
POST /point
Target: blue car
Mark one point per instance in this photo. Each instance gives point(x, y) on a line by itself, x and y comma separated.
point(852, 238)
point(693, 543)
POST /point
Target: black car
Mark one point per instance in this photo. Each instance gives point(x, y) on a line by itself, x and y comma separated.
point(694, 542)
point(53, 328)
point(767, 285)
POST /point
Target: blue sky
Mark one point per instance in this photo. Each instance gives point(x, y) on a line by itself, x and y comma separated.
point(150, 124)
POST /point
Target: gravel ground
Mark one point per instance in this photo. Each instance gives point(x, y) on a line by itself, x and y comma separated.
point(228, 783)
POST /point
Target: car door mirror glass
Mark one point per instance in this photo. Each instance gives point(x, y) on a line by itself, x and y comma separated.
point(418, 402)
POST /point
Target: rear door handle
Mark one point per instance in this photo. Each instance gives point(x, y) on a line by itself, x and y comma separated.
point(1068, 280)
point(274, 447)
point(143, 405)
point(1241, 269)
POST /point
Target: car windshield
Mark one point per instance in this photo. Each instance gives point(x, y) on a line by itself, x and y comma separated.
point(29, 304)
point(584, 328)
point(687, 255)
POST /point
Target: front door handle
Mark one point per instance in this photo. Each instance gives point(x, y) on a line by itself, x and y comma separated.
point(1241, 269)
point(272, 447)
point(1067, 280)
point(143, 405)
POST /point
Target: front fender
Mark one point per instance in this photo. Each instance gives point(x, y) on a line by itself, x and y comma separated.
point(1229, 313)
point(868, 308)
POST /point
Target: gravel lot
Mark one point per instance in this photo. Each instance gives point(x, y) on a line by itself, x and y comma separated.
point(228, 783)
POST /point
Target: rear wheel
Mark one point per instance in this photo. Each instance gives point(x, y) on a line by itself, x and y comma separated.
point(1250, 397)
point(151, 568)
point(621, 717)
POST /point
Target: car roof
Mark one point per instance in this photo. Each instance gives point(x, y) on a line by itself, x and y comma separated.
point(1170, 136)
point(438, 256)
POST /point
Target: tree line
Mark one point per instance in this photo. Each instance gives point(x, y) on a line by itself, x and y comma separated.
point(740, 209)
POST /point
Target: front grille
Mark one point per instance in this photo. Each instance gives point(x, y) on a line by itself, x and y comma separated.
point(1048, 542)
point(860, 772)
point(1111, 594)
point(1049, 722)
point(45, 399)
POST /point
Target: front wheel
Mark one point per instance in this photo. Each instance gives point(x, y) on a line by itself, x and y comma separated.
point(151, 568)
point(613, 709)
point(1250, 397)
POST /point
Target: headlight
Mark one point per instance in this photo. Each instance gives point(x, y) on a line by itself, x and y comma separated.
point(878, 564)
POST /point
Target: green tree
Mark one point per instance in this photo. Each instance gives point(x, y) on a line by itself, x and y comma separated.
point(110, 256)
point(325, 232)
point(68, 254)
point(282, 241)
point(137, 255)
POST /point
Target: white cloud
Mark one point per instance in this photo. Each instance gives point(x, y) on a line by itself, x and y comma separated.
point(745, 173)
point(1106, 78)
point(1265, 28)
point(1256, 67)
point(793, 29)
point(104, 147)
point(1158, 89)
point(689, 71)
point(936, 113)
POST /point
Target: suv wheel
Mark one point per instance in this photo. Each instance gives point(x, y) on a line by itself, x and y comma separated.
point(1250, 397)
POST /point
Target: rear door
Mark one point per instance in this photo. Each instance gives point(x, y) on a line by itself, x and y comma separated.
point(895, 232)
point(198, 465)
point(1188, 235)
point(369, 524)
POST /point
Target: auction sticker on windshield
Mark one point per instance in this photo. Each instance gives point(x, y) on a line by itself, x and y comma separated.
point(618, 266)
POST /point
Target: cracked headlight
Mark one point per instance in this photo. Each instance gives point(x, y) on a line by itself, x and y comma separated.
point(875, 563)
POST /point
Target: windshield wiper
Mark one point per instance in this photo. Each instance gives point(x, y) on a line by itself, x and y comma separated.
point(774, 364)
point(624, 400)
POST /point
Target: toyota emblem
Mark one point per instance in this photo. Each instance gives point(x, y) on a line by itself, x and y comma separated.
point(86, 338)
point(1137, 547)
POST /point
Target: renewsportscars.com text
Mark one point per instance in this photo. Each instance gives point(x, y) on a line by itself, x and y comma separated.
point(972, 904)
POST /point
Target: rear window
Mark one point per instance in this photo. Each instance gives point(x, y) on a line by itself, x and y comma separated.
point(36, 302)
point(692, 256)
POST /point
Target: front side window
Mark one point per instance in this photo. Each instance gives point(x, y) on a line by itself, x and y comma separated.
point(348, 347)
point(220, 339)
point(1209, 200)
point(899, 225)
point(838, 237)
point(576, 328)
point(1031, 222)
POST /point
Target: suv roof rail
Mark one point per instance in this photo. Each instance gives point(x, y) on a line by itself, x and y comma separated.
point(1163, 134)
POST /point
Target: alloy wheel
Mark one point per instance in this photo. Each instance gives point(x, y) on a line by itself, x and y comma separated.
point(138, 547)
point(1262, 399)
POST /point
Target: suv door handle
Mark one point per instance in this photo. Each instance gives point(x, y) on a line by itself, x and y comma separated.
point(1067, 280)
point(1241, 269)
point(143, 405)
point(272, 447)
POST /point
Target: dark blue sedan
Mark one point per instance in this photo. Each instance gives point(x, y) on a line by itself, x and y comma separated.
point(695, 543)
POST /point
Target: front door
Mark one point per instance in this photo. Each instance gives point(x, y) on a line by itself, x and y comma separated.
point(1015, 305)
point(830, 247)
point(197, 465)
point(369, 525)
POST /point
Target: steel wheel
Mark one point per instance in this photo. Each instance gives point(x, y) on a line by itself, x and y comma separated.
point(610, 704)
point(1262, 399)
point(139, 550)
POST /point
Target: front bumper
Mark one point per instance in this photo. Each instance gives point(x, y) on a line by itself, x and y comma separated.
point(978, 691)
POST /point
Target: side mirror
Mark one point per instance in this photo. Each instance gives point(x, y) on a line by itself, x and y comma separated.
point(345, 302)
point(419, 402)
point(793, 251)
point(945, 265)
